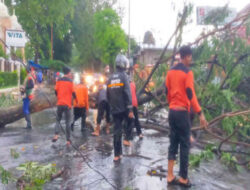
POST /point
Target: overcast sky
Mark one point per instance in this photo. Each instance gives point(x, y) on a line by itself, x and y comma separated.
point(159, 16)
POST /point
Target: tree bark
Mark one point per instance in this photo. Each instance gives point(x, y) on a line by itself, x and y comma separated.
point(148, 98)
point(44, 98)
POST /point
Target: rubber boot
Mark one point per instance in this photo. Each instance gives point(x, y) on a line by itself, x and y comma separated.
point(97, 131)
point(28, 120)
point(108, 129)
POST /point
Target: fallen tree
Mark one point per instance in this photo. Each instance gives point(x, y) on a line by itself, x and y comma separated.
point(212, 123)
point(43, 99)
point(220, 67)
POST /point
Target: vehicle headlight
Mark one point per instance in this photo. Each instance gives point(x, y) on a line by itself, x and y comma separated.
point(102, 79)
point(89, 79)
point(95, 88)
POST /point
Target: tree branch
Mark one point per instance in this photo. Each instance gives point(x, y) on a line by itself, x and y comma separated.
point(215, 120)
point(232, 68)
point(226, 139)
point(163, 52)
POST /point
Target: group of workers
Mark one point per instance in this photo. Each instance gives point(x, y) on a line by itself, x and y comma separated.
point(118, 97)
point(112, 97)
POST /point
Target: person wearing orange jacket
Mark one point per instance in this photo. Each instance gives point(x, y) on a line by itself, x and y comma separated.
point(135, 111)
point(181, 97)
point(64, 91)
point(81, 106)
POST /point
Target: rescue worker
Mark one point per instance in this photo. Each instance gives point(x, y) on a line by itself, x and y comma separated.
point(103, 106)
point(181, 96)
point(39, 76)
point(64, 91)
point(135, 111)
point(119, 98)
point(81, 104)
point(26, 92)
point(57, 76)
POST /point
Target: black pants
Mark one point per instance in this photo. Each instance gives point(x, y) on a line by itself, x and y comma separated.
point(118, 119)
point(103, 106)
point(80, 113)
point(60, 111)
point(137, 122)
point(179, 122)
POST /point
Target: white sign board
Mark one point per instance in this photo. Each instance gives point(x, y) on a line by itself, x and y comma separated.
point(203, 11)
point(15, 38)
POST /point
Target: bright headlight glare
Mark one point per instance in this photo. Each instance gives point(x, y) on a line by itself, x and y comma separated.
point(89, 79)
point(101, 79)
point(95, 88)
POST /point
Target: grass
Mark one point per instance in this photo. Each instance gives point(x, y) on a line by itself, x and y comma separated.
point(1, 88)
point(7, 100)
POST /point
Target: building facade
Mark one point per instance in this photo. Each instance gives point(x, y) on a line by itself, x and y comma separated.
point(7, 22)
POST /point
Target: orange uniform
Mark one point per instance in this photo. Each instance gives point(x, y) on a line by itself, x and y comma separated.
point(180, 88)
point(82, 97)
point(64, 91)
point(133, 94)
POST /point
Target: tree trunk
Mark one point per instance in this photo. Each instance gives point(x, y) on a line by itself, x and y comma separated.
point(147, 98)
point(44, 98)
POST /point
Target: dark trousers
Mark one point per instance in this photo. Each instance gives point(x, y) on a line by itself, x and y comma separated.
point(137, 122)
point(60, 111)
point(179, 122)
point(128, 127)
point(80, 113)
point(118, 119)
point(103, 106)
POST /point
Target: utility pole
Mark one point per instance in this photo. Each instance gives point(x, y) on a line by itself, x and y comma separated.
point(129, 28)
point(51, 40)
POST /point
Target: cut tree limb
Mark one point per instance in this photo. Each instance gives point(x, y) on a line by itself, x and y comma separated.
point(228, 141)
point(153, 127)
point(215, 120)
point(43, 99)
point(164, 51)
point(148, 98)
point(242, 57)
point(58, 174)
point(241, 18)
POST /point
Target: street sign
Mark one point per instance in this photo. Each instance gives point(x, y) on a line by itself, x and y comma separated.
point(15, 38)
point(203, 11)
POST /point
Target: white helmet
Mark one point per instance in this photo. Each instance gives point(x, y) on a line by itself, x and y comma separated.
point(121, 61)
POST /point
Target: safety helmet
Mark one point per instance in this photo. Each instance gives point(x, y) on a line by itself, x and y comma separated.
point(121, 61)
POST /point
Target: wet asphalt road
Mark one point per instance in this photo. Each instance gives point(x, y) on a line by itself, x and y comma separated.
point(130, 173)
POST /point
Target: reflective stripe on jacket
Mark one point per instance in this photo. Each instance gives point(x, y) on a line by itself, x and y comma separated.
point(118, 93)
